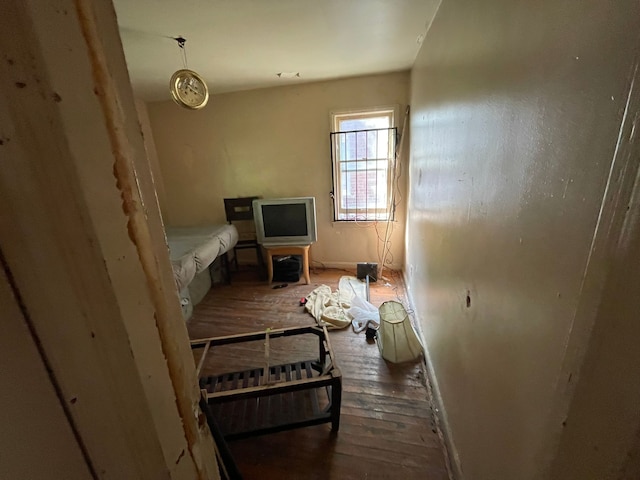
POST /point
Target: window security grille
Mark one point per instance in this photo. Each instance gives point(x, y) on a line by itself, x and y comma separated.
point(363, 162)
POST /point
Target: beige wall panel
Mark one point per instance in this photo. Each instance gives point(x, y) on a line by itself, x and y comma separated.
point(273, 143)
point(600, 430)
point(153, 319)
point(36, 441)
point(516, 109)
point(152, 154)
point(72, 219)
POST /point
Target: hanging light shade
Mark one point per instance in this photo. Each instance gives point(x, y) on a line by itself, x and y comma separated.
point(397, 340)
point(188, 89)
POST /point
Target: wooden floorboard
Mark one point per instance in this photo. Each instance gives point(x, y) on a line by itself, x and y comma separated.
point(386, 426)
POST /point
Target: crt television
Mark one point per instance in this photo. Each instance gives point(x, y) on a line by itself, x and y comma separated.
point(285, 221)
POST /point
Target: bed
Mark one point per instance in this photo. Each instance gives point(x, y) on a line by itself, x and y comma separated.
point(192, 251)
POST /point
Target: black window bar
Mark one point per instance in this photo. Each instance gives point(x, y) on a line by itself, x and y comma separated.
point(362, 167)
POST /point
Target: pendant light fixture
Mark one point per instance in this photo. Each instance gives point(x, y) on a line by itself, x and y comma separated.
point(188, 89)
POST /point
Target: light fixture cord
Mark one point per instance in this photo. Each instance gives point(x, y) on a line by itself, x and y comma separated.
point(184, 55)
point(183, 50)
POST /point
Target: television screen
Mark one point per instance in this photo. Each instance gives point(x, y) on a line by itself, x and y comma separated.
point(285, 220)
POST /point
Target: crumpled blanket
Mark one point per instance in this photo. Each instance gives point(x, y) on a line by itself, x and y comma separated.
point(330, 308)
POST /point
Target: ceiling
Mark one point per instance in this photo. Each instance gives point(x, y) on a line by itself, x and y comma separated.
point(243, 44)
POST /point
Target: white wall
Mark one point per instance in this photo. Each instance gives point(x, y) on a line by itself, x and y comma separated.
point(274, 143)
point(516, 111)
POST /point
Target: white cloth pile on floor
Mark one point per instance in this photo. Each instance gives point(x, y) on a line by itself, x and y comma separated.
point(338, 309)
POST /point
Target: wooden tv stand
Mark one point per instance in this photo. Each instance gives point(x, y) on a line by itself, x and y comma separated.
point(302, 250)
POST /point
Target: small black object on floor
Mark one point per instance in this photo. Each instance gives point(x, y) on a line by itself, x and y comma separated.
point(367, 269)
point(370, 334)
point(287, 268)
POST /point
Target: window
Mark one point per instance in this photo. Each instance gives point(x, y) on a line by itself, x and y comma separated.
point(363, 148)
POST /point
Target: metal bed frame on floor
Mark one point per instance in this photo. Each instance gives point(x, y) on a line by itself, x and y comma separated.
point(272, 398)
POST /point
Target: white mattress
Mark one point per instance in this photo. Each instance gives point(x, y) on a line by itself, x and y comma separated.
point(193, 249)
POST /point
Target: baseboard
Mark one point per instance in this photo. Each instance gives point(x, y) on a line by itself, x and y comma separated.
point(350, 266)
point(439, 413)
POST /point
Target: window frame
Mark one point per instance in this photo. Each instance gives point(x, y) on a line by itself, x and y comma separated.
point(369, 215)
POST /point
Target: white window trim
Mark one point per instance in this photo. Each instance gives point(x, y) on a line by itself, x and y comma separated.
point(349, 111)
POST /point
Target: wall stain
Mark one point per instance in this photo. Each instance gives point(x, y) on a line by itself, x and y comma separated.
point(21, 84)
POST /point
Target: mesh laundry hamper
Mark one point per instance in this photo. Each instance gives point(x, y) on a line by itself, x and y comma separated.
point(397, 340)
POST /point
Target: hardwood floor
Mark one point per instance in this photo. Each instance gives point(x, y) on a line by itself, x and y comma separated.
point(386, 427)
